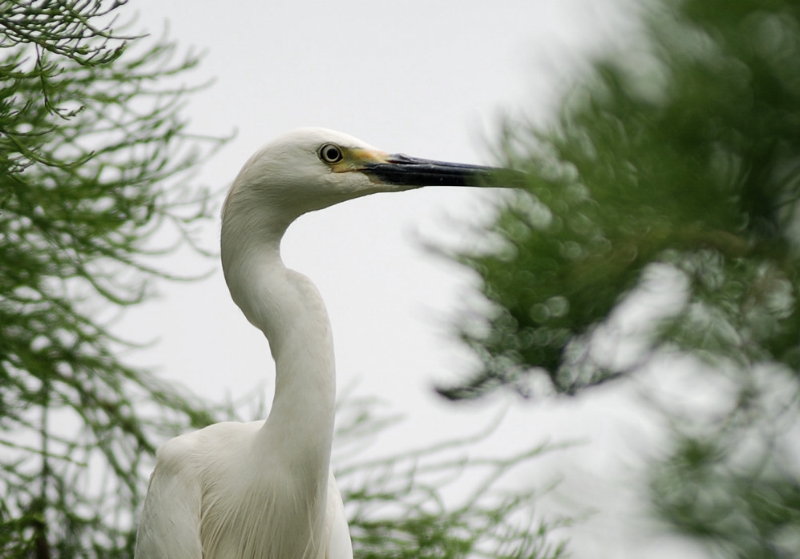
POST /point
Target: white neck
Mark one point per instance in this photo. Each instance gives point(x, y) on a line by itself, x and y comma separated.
point(287, 307)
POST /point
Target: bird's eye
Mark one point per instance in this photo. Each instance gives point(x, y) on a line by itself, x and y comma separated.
point(330, 153)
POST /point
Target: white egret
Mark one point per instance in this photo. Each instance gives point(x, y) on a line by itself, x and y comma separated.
point(264, 489)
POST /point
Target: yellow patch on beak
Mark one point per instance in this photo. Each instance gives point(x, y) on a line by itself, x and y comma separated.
point(354, 159)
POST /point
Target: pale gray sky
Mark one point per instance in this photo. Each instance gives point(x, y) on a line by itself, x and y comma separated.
point(428, 78)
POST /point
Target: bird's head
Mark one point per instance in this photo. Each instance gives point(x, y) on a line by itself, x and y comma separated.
point(313, 168)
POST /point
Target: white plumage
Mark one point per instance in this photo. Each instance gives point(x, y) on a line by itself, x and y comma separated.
point(264, 490)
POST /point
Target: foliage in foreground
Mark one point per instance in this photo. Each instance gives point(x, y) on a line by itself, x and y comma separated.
point(660, 227)
point(93, 150)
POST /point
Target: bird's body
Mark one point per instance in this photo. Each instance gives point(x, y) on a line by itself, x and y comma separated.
point(237, 502)
point(264, 490)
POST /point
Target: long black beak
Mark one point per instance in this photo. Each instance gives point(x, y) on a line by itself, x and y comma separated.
point(403, 170)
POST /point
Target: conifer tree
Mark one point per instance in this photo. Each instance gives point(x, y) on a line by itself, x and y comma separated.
point(93, 159)
point(672, 171)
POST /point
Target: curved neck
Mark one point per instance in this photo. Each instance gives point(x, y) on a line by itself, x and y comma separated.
point(288, 309)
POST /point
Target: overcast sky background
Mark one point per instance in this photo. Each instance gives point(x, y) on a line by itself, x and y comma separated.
point(427, 78)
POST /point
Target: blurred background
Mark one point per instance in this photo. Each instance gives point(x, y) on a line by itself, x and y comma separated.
point(606, 357)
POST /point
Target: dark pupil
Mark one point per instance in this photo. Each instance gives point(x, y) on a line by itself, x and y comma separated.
point(331, 154)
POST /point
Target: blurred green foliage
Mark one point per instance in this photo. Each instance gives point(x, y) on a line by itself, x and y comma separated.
point(661, 219)
point(745, 508)
point(685, 154)
point(668, 187)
